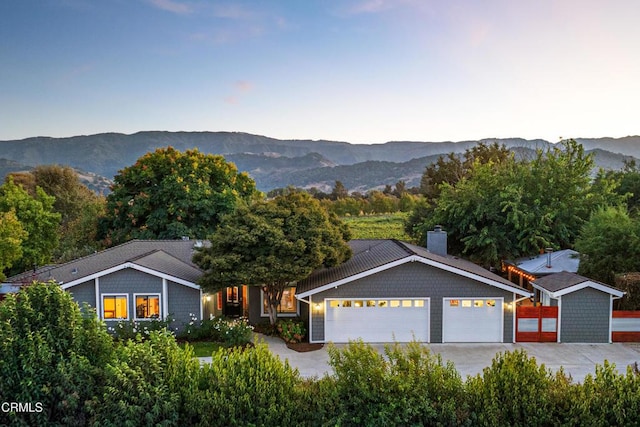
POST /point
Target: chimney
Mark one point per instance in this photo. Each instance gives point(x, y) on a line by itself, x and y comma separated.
point(549, 251)
point(437, 241)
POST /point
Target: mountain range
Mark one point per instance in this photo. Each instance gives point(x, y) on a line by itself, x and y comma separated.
point(275, 163)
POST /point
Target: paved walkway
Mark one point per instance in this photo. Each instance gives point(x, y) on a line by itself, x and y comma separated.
point(470, 359)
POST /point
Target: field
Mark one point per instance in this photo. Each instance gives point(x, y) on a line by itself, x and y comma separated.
point(387, 226)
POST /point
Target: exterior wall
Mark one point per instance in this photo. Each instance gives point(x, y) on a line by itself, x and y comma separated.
point(183, 302)
point(585, 316)
point(255, 304)
point(412, 279)
point(84, 292)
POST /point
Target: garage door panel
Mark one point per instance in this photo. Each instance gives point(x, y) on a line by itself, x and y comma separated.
point(472, 320)
point(377, 322)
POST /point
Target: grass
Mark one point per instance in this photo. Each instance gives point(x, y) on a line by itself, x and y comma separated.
point(203, 348)
point(384, 226)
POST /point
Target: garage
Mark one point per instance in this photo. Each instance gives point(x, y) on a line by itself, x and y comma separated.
point(377, 319)
point(472, 320)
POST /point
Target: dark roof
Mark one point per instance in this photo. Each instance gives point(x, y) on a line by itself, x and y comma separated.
point(171, 257)
point(369, 254)
point(564, 280)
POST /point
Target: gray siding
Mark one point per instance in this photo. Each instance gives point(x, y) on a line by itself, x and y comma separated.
point(414, 279)
point(183, 302)
point(84, 292)
point(255, 304)
point(584, 316)
point(130, 281)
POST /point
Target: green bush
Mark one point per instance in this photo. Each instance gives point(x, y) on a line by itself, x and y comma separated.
point(249, 386)
point(51, 354)
point(230, 332)
point(291, 331)
point(515, 391)
point(406, 386)
point(133, 329)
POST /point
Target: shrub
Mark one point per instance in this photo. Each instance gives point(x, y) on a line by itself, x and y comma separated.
point(132, 329)
point(410, 386)
point(230, 332)
point(51, 354)
point(291, 331)
point(515, 391)
point(249, 386)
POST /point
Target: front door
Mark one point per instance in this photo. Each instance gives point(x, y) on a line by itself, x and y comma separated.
point(233, 302)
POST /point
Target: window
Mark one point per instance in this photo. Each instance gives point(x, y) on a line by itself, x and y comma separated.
point(147, 306)
point(382, 303)
point(466, 303)
point(491, 303)
point(454, 303)
point(358, 304)
point(334, 304)
point(407, 303)
point(115, 307)
point(418, 303)
point(371, 303)
point(478, 303)
point(288, 302)
point(232, 294)
point(394, 303)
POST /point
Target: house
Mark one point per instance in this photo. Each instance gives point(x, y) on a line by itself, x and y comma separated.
point(391, 290)
point(525, 270)
point(137, 281)
point(585, 306)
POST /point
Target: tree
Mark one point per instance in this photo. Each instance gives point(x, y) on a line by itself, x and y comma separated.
point(339, 191)
point(514, 208)
point(11, 237)
point(38, 220)
point(168, 194)
point(78, 206)
point(273, 244)
point(609, 244)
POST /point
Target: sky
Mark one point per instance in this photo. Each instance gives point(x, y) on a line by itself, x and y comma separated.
point(360, 71)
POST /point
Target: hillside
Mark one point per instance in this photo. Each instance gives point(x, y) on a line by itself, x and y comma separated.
point(272, 162)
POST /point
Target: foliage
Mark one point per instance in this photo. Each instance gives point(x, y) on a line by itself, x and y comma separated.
point(11, 237)
point(230, 332)
point(410, 386)
point(291, 331)
point(168, 194)
point(149, 382)
point(272, 244)
point(38, 220)
point(516, 391)
point(249, 386)
point(50, 353)
point(139, 329)
point(609, 244)
point(515, 208)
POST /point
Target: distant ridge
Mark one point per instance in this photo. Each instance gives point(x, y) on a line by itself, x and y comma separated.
point(277, 163)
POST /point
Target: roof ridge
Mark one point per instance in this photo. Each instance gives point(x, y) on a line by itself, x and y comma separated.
point(404, 247)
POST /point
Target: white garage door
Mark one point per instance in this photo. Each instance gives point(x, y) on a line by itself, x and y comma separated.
point(377, 320)
point(472, 320)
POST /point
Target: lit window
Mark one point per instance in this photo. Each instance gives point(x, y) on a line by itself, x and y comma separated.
point(418, 303)
point(382, 303)
point(454, 303)
point(491, 303)
point(358, 304)
point(371, 303)
point(288, 302)
point(407, 303)
point(466, 303)
point(478, 303)
point(334, 303)
point(147, 306)
point(115, 307)
point(346, 303)
point(233, 294)
point(394, 303)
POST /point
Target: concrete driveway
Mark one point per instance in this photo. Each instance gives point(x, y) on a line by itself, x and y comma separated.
point(470, 359)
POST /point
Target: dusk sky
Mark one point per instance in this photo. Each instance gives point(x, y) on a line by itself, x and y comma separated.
point(361, 71)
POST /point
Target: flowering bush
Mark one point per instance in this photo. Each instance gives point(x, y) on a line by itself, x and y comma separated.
point(291, 331)
point(132, 329)
point(231, 332)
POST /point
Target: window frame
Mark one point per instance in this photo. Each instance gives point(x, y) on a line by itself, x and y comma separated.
point(135, 307)
point(295, 313)
point(114, 295)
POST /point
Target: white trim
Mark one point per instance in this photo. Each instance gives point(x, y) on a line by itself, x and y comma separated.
point(497, 299)
point(165, 300)
point(96, 285)
point(201, 305)
point(513, 318)
point(134, 267)
point(611, 298)
point(280, 314)
point(579, 286)
point(114, 295)
point(427, 305)
point(147, 294)
point(559, 325)
point(311, 308)
point(415, 258)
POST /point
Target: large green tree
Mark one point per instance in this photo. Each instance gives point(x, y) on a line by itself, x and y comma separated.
point(168, 194)
point(273, 244)
point(609, 244)
point(11, 237)
point(512, 208)
point(38, 220)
